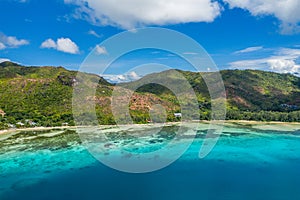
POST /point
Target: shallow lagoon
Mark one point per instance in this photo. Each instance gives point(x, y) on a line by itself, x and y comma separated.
point(253, 161)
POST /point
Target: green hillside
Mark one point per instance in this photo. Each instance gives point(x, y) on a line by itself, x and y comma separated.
point(251, 94)
point(257, 95)
point(42, 96)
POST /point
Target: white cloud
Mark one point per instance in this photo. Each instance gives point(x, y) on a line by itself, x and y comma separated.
point(283, 60)
point(67, 45)
point(94, 33)
point(190, 53)
point(135, 13)
point(133, 76)
point(121, 78)
point(14, 42)
point(249, 64)
point(11, 42)
point(2, 46)
point(292, 53)
point(49, 43)
point(114, 78)
point(100, 50)
point(287, 11)
point(62, 44)
point(249, 49)
point(3, 60)
point(283, 66)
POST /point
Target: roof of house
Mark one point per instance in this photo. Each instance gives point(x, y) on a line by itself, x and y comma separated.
point(177, 114)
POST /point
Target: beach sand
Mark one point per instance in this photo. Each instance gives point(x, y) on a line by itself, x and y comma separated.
point(280, 126)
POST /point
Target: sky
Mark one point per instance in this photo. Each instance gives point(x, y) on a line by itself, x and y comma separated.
point(237, 34)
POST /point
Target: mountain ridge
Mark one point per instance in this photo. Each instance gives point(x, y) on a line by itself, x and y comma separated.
point(44, 95)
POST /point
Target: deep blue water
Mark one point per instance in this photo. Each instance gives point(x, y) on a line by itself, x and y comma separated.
point(251, 164)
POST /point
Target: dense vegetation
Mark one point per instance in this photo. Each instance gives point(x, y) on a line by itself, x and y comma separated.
point(42, 96)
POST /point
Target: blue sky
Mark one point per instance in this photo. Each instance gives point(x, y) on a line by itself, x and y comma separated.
point(256, 34)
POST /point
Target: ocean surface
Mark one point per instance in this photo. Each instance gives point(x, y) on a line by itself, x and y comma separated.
point(248, 162)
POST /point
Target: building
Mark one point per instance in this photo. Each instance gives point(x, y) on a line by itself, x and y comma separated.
point(20, 124)
point(178, 115)
point(30, 122)
point(11, 126)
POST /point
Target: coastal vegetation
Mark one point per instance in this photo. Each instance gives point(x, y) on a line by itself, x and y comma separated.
point(42, 96)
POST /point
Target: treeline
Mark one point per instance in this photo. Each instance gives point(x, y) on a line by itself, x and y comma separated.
point(264, 116)
point(140, 118)
point(19, 121)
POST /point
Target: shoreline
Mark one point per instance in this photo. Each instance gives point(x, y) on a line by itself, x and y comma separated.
point(239, 122)
point(259, 122)
point(12, 130)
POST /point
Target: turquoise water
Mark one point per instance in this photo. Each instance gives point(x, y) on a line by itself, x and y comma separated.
point(247, 163)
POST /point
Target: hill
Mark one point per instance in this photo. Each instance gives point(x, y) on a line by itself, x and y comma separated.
point(251, 94)
point(42, 96)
